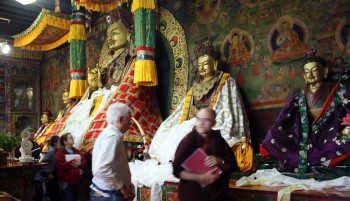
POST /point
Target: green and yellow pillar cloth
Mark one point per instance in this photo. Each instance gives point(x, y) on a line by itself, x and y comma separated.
point(77, 39)
point(145, 28)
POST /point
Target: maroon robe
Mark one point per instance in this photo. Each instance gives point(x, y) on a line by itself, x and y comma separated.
point(217, 146)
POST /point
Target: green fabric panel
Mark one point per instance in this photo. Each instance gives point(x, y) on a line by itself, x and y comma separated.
point(145, 28)
point(77, 55)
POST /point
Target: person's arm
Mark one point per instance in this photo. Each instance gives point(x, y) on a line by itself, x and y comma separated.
point(61, 163)
point(36, 150)
point(217, 161)
point(208, 178)
point(79, 164)
point(228, 162)
point(49, 158)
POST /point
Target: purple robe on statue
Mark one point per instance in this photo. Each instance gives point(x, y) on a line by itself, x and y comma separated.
point(284, 139)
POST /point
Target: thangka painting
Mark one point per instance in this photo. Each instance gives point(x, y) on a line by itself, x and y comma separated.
point(206, 10)
point(342, 35)
point(237, 47)
point(287, 40)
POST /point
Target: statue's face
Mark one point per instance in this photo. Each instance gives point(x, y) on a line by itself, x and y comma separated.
point(93, 81)
point(65, 98)
point(117, 36)
point(285, 26)
point(206, 66)
point(314, 73)
point(44, 119)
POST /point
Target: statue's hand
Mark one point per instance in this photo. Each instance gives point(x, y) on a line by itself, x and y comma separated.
point(94, 78)
point(95, 71)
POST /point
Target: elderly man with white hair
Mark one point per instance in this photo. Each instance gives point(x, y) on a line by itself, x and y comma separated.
point(110, 169)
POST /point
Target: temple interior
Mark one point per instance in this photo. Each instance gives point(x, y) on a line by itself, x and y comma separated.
point(276, 72)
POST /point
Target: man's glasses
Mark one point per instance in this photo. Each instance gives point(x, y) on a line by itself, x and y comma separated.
point(204, 120)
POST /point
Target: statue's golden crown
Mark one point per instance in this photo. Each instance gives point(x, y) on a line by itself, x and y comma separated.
point(121, 14)
point(205, 47)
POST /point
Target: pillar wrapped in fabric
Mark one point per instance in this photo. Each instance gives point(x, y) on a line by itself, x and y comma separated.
point(77, 39)
point(145, 28)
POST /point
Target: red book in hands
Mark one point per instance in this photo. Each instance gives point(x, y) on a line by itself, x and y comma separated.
point(195, 164)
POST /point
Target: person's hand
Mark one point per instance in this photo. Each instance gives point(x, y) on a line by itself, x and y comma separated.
point(126, 191)
point(51, 177)
point(81, 171)
point(212, 161)
point(132, 193)
point(210, 177)
point(76, 164)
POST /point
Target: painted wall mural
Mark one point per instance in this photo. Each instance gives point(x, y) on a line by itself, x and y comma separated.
point(287, 40)
point(263, 42)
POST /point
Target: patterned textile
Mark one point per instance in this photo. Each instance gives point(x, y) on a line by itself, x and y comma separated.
point(141, 100)
point(231, 120)
point(84, 112)
point(292, 140)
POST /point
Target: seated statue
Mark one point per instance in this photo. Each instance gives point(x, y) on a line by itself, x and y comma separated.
point(88, 107)
point(117, 64)
point(115, 72)
point(244, 155)
point(308, 129)
point(68, 102)
point(46, 121)
point(216, 90)
point(55, 127)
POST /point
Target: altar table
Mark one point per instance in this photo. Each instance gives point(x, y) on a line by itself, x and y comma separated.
point(252, 193)
point(17, 178)
point(268, 193)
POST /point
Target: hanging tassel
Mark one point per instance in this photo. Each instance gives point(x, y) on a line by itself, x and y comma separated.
point(145, 66)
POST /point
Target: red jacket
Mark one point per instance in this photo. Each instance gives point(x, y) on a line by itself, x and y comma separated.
point(65, 171)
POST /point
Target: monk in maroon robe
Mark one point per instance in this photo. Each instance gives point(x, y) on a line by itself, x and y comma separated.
point(219, 154)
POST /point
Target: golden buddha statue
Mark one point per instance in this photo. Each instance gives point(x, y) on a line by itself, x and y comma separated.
point(116, 63)
point(93, 101)
point(244, 155)
point(53, 128)
point(46, 120)
point(314, 74)
point(306, 132)
point(68, 102)
point(213, 89)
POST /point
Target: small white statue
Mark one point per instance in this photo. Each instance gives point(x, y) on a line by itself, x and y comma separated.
point(26, 147)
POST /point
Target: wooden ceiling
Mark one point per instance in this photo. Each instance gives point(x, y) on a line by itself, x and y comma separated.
point(22, 16)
